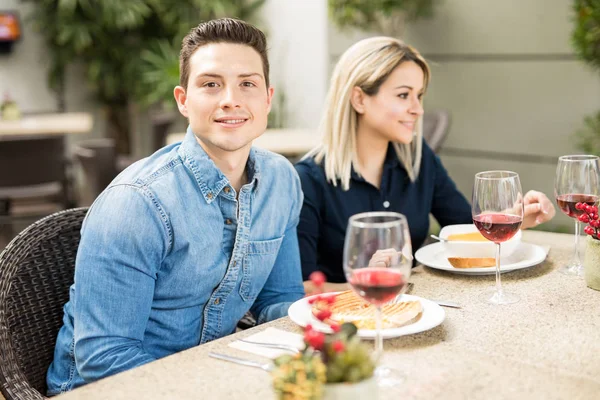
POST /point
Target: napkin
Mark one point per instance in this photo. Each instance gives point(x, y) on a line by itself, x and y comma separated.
point(270, 335)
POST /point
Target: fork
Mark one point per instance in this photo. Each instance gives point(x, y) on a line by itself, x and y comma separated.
point(242, 361)
point(272, 345)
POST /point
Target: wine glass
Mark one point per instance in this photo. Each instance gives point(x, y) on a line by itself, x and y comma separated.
point(377, 264)
point(576, 181)
point(497, 211)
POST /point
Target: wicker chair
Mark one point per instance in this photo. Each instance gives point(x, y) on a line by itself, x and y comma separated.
point(36, 270)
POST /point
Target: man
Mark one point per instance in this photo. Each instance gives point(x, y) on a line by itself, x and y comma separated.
point(183, 243)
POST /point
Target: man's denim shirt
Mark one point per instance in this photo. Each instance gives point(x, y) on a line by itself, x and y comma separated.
point(169, 259)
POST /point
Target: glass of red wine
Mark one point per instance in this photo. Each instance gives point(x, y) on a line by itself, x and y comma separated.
point(497, 211)
point(576, 181)
point(377, 264)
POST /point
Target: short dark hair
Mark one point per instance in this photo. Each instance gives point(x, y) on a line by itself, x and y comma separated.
point(223, 30)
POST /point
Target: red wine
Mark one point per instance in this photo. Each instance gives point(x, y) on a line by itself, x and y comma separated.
point(497, 227)
point(566, 203)
point(377, 285)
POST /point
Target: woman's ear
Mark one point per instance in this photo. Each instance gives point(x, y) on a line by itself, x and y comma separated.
point(357, 99)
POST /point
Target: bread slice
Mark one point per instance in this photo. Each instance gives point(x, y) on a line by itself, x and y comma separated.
point(467, 237)
point(468, 262)
point(348, 307)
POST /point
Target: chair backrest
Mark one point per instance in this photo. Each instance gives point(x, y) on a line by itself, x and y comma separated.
point(31, 160)
point(436, 124)
point(36, 271)
point(98, 159)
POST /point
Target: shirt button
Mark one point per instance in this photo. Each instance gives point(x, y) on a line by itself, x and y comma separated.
point(386, 204)
point(228, 221)
point(217, 301)
point(227, 189)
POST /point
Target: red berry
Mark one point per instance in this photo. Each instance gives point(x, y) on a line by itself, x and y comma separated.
point(330, 299)
point(596, 216)
point(314, 339)
point(338, 346)
point(587, 209)
point(317, 278)
point(584, 218)
point(591, 216)
point(595, 209)
point(589, 230)
point(323, 315)
point(335, 327)
point(579, 206)
point(595, 224)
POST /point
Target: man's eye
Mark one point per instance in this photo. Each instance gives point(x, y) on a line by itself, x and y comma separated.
point(248, 84)
point(403, 95)
point(210, 84)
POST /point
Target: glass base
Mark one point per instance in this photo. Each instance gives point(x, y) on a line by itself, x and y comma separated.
point(572, 270)
point(387, 377)
point(494, 297)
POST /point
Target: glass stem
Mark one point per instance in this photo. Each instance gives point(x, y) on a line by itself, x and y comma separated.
point(498, 282)
point(576, 259)
point(378, 337)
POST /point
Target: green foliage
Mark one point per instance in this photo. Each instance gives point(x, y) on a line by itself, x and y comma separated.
point(589, 135)
point(128, 48)
point(586, 34)
point(378, 14)
point(586, 41)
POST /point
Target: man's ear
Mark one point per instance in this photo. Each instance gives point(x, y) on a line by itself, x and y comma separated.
point(357, 99)
point(181, 99)
point(270, 93)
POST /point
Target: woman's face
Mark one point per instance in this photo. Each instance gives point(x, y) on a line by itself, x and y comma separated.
point(393, 112)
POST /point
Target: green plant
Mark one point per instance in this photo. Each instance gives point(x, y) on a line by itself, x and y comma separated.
point(385, 16)
point(115, 40)
point(590, 133)
point(586, 41)
point(333, 358)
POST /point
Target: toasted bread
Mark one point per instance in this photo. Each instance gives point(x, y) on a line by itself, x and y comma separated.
point(467, 237)
point(468, 262)
point(348, 307)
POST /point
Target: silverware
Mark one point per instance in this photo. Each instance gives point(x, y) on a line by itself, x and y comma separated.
point(438, 238)
point(241, 361)
point(272, 345)
point(442, 303)
point(445, 303)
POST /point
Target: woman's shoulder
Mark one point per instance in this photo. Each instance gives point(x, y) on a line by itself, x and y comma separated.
point(310, 168)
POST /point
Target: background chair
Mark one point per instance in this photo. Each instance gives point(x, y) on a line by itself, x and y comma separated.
point(436, 124)
point(100, 164)
point(36, 271)
point(34, 167)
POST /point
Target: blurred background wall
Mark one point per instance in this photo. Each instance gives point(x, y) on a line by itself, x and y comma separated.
point(506, 71)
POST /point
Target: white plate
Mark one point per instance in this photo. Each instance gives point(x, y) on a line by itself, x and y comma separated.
point(526, 255)
point(300, 312)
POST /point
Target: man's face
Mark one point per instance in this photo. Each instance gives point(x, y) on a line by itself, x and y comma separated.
point(226, 99)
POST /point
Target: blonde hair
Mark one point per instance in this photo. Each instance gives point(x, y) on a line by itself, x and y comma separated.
point(367, 64)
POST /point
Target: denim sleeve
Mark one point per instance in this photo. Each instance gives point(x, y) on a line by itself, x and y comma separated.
point(284, 284)
point(449, 206)
point(310, 222)
point(122, 244)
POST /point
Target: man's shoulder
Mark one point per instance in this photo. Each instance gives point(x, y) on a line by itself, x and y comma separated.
point(156, 167)
point(273, 165)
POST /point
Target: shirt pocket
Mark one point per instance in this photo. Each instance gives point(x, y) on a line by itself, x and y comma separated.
point(257, 265)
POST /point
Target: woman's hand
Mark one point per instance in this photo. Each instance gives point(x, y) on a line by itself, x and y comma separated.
point(538, 209)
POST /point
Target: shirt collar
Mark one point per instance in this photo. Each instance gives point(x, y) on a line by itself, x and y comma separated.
point(209, 177)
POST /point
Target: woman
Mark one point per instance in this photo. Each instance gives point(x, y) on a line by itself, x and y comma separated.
point(372, 157)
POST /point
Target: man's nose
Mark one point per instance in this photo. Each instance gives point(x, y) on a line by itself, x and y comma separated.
point(231, 98)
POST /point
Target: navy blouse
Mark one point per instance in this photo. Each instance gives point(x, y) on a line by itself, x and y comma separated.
point(326, 208)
